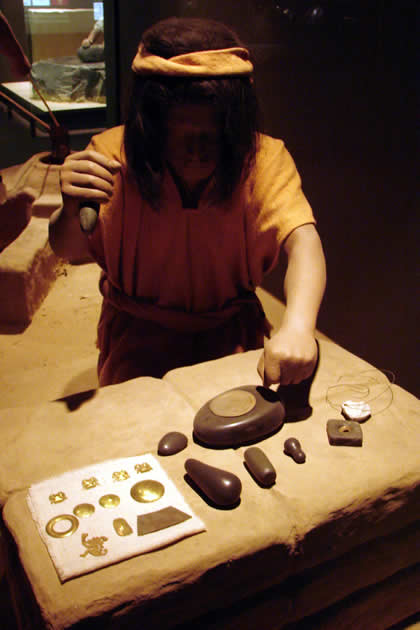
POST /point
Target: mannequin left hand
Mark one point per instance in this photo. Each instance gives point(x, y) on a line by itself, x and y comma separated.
point(289, 357)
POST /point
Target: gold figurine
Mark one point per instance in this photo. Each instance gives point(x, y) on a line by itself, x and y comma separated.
point(142, 468)
point(59, 497)
point(120, 475)
point(94, 546)
point(92, 482)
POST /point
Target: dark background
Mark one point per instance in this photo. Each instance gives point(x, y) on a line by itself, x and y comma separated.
point(338, 82)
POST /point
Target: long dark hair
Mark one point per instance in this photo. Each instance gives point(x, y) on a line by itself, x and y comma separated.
point(151, 98)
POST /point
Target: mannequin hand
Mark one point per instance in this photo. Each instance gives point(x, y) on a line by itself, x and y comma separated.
point(288, 358)
point(15, 214)
point(88, 175)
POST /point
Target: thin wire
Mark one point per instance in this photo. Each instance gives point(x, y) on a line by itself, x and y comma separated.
point(363, 389)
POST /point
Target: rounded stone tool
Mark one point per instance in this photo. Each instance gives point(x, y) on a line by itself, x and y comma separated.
point(88, 215)
point(221, 486)
point(293, 448)
point(260, 466)
point(172, 443)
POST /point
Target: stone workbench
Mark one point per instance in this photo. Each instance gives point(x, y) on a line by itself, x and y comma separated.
point(335, 537)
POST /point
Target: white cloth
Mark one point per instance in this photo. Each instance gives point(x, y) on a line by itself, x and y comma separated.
point(69, 555)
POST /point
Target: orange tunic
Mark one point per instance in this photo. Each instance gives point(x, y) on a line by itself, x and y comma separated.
point(191, 270)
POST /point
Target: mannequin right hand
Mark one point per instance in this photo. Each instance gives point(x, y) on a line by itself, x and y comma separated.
point(88, 175)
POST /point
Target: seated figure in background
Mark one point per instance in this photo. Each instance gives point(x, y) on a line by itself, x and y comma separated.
point(92, 48)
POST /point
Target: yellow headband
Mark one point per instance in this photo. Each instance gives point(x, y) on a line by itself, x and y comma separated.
point(205, 63)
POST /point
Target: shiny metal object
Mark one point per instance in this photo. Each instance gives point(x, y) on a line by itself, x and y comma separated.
point(147, 491)
point(161, 519)
point(109, 500)
point(122, 528)
point(58, 497)
point(51, 530)
point(92, 482)
point(120, 475)
point(83, 510)
point(94, 546)
point(143, 467)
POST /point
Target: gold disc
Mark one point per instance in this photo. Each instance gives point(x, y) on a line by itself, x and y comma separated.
point(109, 500)
point(83, 510)
point(57, 533)
point(147, 491)
point(234, 403)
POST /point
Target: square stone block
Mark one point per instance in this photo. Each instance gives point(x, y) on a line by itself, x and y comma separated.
point(27, 268)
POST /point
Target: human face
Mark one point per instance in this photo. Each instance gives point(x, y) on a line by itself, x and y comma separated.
point(193, 142)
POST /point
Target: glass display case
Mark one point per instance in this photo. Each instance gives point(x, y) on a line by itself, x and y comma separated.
point(66, 47)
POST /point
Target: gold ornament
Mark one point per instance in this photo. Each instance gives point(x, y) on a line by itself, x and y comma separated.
point(142, 468)
point(109, 500)
point(147, 491)
point(92, 482)
point(94, 546)
point(83, 510)
point(121, 527)
point(50, 526)
point(59, 497)
point(120, 475)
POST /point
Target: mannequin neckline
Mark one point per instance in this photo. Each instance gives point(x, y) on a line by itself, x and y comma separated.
point(190, 200)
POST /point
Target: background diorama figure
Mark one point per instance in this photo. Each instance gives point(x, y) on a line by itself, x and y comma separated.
point(92, 48)
point(195, 207)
